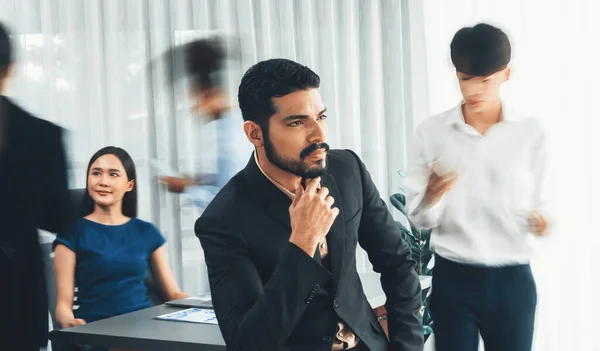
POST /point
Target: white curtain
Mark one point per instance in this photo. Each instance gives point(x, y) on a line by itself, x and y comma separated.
point(82, 64)
point(555, 74)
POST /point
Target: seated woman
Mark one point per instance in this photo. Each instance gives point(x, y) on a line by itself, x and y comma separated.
point(106, 253)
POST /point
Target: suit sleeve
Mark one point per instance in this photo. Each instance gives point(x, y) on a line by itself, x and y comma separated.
point(56, 211)
point(390, 255)
point(252, 316)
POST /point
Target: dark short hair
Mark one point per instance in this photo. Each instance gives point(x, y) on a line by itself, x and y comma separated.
point(268, 79)
point(129, 205)
point(480, 50)
point(201, 61)
point(204, 60)
point(6, 54)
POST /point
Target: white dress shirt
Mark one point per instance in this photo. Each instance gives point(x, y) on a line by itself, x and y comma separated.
point(233, 152)
point(483, 218)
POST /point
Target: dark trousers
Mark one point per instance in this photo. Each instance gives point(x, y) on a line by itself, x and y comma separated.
point(496, 302)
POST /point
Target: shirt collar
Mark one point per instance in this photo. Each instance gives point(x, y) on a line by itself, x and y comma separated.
point(279, 186)
point(456, 115)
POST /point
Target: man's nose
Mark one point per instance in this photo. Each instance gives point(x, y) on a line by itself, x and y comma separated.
point(318, 133)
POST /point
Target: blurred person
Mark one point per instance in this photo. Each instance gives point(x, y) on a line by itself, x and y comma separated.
point(204, 62)
point(34, 193)
point(280, 239)
point(106, 253)
point(475, 176)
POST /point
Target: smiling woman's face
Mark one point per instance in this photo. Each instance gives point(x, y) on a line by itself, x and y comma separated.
point(108, 181)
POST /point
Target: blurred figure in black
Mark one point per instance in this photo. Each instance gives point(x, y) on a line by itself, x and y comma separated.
point(33, 194)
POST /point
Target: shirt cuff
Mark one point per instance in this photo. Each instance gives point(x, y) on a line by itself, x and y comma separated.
point(427, 217)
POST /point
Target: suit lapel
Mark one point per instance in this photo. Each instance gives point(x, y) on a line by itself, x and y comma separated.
point(279, 207)
point(337, 234)
point(276, 202)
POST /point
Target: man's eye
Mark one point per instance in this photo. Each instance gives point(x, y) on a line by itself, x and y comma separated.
point(295, 124)
point(323, 117)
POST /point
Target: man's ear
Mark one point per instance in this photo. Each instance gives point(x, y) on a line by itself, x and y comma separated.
point(506, 73)
point(254, 133)
point(5, 76)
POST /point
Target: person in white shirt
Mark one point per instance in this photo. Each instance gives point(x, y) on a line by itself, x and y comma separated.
point(475, 176)
point(204, 61)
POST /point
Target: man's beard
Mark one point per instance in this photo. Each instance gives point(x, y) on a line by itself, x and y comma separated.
point(298, 166)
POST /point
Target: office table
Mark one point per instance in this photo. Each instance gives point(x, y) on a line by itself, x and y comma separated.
point(139, 330)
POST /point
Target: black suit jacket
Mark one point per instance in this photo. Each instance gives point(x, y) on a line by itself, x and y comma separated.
point(33, 194)
point(268, 293)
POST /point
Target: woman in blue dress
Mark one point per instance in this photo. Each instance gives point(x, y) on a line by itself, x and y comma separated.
point(106, 253)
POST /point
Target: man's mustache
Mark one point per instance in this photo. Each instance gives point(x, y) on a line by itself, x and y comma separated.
point(312, 148)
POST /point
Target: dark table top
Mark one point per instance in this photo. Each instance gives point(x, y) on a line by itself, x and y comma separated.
point(139, 330)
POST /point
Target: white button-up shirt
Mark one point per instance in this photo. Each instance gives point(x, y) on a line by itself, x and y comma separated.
point(233, 151)
point(483, 218)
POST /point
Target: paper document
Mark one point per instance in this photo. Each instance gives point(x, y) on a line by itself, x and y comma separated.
point(192, 315)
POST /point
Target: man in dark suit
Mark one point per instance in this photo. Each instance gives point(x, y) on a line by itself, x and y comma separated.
point(280, 238)
point(33, 194)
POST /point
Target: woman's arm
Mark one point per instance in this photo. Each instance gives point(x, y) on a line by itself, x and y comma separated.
point(161, 272)
point(64, 270)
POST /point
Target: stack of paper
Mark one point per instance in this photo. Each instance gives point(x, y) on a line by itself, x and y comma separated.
point(192, 315)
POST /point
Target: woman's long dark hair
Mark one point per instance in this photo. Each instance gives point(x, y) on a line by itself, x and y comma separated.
point(129, 206)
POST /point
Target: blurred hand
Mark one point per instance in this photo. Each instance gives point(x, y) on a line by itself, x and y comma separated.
point(437, 187)
point(74, 322)
point(176, 185)
point(311, 216)
point(537, 223)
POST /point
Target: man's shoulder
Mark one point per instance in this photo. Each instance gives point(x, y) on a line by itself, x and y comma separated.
point(343, 164)
point(341, 156)
point(341, 159)
point(228, 200)
point(236, 195)
point(39, 136)
point(26, 124)
point(434, 122)
point(532, 123)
